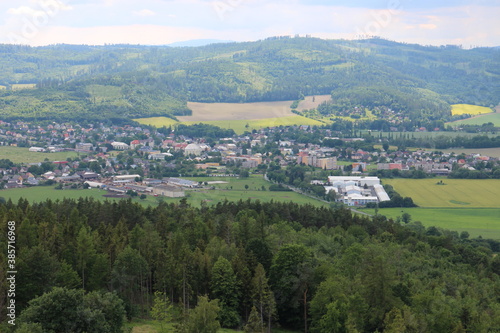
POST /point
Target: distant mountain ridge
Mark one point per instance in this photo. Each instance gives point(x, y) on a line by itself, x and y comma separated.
point(199, 42)
point(102, 82)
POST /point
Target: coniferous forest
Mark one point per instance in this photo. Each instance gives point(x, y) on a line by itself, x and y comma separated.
point(261, 265)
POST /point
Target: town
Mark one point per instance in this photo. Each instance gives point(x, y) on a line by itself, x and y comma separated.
point(140, 160)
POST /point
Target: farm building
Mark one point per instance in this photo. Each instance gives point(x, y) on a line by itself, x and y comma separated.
point(169, 191)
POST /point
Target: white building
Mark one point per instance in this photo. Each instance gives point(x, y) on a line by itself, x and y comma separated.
point(120, 145)
point(357, 191)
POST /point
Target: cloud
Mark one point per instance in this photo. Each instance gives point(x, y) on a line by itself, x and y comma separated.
point(144, 12)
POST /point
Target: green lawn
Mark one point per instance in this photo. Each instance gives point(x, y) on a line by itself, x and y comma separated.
point(483, 222)
point(42, 193)
point(457, 193)
point(238, 125)
point(23, 155)
point(479, 120)
point(462, 204)
point(234, 190)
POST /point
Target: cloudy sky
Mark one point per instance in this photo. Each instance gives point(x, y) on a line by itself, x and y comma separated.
point(436, 22)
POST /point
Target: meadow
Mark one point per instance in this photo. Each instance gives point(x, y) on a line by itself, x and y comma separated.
point(239, 125)
point(233, 189)
point(479, 120)
point(459, 109)
point(23, 155)
point(484, 222)
point(457, 193)
point(460, 205)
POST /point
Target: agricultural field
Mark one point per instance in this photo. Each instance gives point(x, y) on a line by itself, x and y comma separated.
point(239, 126)
point(479, 120)
point(473, 110)
point(237, 111)
point(157, 121)
point(23, 155)
point(23, 86)
point(492, 152)
point(461, 204)
point(312, 102)
point(484, 222)
point(456, 193)
point(3, 87)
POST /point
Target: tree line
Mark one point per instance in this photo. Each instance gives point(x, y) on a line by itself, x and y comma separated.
point(266, 264)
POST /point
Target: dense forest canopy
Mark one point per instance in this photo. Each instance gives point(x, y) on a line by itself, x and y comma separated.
point(294, 265)
point(136, 81)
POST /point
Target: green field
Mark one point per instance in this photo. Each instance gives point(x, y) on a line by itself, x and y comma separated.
point(457, 193)
point(239, 125)
point(232, 190)
point(23, 155)
point(462, 204)
point(479, 120)
point(157, 121)
point(459, 109)
point(484, 222)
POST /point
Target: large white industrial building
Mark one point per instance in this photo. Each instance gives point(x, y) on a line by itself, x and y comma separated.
point(357, 191)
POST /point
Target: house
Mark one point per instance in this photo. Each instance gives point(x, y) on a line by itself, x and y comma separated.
point(169, 191)
point(134, 144)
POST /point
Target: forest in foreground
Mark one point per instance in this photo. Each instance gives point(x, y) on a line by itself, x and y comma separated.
point(257, 265)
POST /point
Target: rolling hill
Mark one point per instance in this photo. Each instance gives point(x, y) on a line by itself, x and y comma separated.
point(131, 81)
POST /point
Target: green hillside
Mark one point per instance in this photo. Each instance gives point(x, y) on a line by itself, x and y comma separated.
point(412, 81)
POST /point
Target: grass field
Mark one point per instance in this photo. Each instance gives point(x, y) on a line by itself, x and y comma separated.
point(461, 205)
point(239, 126)
point(457, 193)
point(23, 155)
point(459, 109)
point(484, 222)
point(42, 193)
point(157, 121)
point(233, 190)
point(3, 87)
point(479, 120)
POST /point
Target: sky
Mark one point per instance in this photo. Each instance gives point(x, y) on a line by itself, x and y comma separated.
point(469, 23)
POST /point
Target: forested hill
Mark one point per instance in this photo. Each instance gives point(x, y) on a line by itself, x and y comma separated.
point(301, 267)
point(131, 81)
